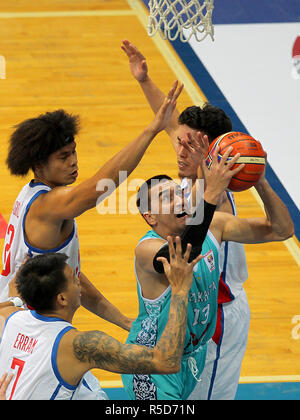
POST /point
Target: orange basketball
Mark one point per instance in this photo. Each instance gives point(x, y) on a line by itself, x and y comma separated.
point(252, 154)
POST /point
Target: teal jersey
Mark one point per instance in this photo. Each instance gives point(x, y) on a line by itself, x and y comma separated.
point(201, 323)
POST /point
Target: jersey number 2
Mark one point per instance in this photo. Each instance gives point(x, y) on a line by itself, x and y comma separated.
point(6, 269)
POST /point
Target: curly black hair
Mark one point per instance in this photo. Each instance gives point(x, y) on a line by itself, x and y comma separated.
point(35, 139)
point(210, 119)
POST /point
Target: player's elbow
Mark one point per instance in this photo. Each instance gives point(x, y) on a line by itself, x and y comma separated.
point(289, 234)
point(286, 233)
point(168, 368)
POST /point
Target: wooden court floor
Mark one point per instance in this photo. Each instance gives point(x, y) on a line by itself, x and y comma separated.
point(66, 54)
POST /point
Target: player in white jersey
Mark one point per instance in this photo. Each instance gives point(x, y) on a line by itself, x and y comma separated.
point(43, 215)
point(226, 349)
point(49, 357)
point(18, 246)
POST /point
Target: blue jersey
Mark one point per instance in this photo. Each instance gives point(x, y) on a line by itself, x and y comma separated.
point(201, 322)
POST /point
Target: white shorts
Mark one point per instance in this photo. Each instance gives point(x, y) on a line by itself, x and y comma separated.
point(220, 377)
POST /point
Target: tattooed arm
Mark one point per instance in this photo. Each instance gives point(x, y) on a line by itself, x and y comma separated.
point(95, 349)
point(105, 352)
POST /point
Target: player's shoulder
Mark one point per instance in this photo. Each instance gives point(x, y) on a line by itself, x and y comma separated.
point(217, 225)
point(147, 249)
point(50, 200)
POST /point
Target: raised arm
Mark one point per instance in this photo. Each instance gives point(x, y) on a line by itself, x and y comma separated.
point(96, 349)
point(153, 94)
point(277, 224)
point(70, 202)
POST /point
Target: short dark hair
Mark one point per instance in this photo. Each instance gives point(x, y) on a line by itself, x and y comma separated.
point(35, 139)
point(143, 201)
point(210, 119)
point(41, 279)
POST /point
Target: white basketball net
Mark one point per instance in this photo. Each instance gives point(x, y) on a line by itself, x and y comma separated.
point(172, 17)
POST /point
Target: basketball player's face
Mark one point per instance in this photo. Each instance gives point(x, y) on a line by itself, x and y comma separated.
point(168, 208)
point(61, 167)
point(186, 166)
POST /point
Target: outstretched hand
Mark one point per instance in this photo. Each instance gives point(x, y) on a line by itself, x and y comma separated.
point(165, 112)
point(137, 61)
point(197, 146)
point(218, 177)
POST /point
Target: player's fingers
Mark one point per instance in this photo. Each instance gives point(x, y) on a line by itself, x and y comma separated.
point(171, 248)
point(178, 92)
point(172, 90)
point(233, 160)
point(196, 260)
point(237, 169)
point(2, 379)
point(165, 263)
point(225, 156)
point(126, 46)
point(187, 252)
point(215, 155)
point(187, 144)
point(178, 247)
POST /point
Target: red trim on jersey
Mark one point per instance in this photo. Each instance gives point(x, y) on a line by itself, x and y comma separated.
point(224, 294)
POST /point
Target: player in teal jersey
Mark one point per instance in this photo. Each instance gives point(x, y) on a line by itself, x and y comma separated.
point(201, 321)
point(153, 287)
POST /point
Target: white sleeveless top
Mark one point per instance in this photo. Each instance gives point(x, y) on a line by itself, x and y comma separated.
point(28, 348)
point(232, 259)
point(16, 247)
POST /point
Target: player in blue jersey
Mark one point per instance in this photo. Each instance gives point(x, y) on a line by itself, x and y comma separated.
point(154, 289)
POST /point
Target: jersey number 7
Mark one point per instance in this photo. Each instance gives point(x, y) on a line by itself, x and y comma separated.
point(20, 364)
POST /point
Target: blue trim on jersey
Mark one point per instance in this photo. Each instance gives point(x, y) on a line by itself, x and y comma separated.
point(224, 269)
point(62, 382)
point(214, 372)
point(84, 383)
point(230, 198)
point(226, 248)
point(222, 315)
point(55, 393)
point(33, 184)
point(46, 318)
point(37, 250)
point(7, 321)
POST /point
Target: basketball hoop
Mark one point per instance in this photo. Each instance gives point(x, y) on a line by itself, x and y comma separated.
point(183, 18)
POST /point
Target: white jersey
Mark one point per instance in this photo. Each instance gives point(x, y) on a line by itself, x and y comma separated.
point(16, 247)
point(232, 258)
point(28, 348)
